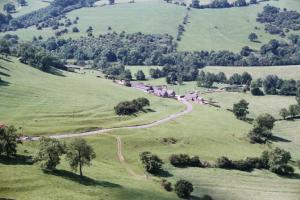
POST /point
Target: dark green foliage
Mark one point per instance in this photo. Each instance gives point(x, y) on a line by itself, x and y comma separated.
point(140, 76)
point(8, 141)
point(49, 153)
point(156, 73)
point(206, 79)
point(278, 161)
point(131, 107)
point(180, 160)
point(276, 20)
point(256, 91)
point(166, 185)
point(259, 134)
point(79, 154)
point(240, 109)
point(183, 188)
point(75, 30)
point(224, 163)
point(219, 4)
point(152, 163)
point(265, 120)
point(270, 84)
point(294, 110)
point(252, 37)
point(9, 8)
point(284, 113)
point(240, 3)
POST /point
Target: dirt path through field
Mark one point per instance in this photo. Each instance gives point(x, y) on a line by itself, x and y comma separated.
point(188, 109)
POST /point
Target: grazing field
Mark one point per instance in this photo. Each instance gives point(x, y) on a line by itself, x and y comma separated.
point(257, 104)
point(147, 17)
point(210, 133)
point(54, 103)
point(284, 72)
point(108, 180)
point(228, 29)
point(31, 6)
point(289, 131)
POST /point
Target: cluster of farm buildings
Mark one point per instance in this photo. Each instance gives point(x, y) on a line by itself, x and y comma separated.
point(162, 91)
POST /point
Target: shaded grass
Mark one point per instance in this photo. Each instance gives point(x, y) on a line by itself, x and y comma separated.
point(42, 103)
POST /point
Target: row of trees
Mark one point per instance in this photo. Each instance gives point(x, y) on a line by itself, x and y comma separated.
point(222, 4)
point(276, 160)
point(207, 79)
point(78, 154)
point(153, 164)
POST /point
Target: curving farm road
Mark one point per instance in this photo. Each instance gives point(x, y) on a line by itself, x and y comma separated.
point(189, 108)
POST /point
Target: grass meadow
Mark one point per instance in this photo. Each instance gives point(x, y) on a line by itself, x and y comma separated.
point(228, 29)
point(73, 102)
point(210, 133)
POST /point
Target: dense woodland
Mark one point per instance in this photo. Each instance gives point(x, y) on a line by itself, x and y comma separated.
point(279, 21)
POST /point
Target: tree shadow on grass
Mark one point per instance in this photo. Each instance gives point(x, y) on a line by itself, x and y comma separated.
point(82, 180)
point(279, 139)
point(55, 72)
point(164, 173)
point(4, 83)
point(292, 176)
point(147, 110)
point(4, 74)
point(6, 59)
point(17, 160)
point(4, 68)
point(204, 197)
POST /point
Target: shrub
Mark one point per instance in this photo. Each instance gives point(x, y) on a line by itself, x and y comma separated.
point(224, 163)
point(180, 160)
point(126, 108)
point(131, 107)
point(183, 188)
point(152, 163)
point(75, 30)
point(166, 185)
point(256, 91)
point(298, 163)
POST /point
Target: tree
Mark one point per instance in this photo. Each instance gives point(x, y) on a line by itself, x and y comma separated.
point(75, 30)
point(152, 163)
point(235, 79)
point(259, 134)
point(195, 4)
point(240, 109)
point(246, 78)
point(4, 47)
point(252, 37)
point(270, 84)
point(240, 3)
point(294, 110)
point(253, 1)
point(284, 113)
point(221, 77)
point(9, 8)
point(278, 161)
point(79, 154)
point(111, 2)
point(49, 153)
point(265, 120)
point(141, 102)
point(183, 188)
point(8, 141)
point(140, 76)
point(256, 91)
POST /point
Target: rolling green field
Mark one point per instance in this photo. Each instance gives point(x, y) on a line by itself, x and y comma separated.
point(31, 6)
point(228, 29)
point(146, 17)
point(284, 72)
point(73, 102)
point(210, 133)
point(108, 179)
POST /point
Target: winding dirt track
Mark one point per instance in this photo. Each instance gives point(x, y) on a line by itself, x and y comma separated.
point(189, 108)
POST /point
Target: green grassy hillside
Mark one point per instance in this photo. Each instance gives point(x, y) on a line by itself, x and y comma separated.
point(43, 103)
